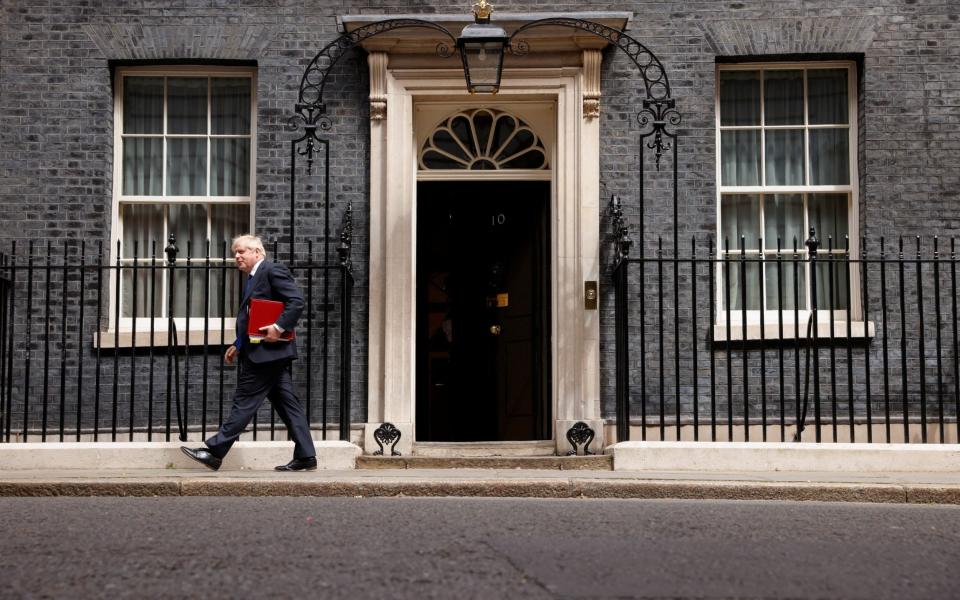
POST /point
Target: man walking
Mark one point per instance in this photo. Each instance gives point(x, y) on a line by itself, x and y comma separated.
point(265, 366)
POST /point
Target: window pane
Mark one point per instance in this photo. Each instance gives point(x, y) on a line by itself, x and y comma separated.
point(187, 167)
point(188, 223)
point(740, 157)
point(187, 105)
point(829, 157)
point(783, 97)
point(434, 160)
point(739, 97)
point(445, 142)
point(142, 225)
point(462, 128)
point(196, 292)
point(784, 156)
point(506, 125)
point(531, 159)
point(783, 220)
point(142, 166)
point(837, 266)
point(748, 287)
point(143, 104)
point(828, 214)
point(224, 289)
point(227, 221)
point(827, 90)
point(482, 123)
point(739, 216)
point(148, 295)
point(229, 167)
point(786, 283)
point(230, 105)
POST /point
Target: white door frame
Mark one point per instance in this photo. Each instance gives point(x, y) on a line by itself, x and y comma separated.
point(575, 231)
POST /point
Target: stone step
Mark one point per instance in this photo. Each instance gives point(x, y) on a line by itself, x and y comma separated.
point(564, 463)
point(520, 449)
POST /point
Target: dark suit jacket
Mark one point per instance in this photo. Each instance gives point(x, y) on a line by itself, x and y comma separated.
point(272, 282)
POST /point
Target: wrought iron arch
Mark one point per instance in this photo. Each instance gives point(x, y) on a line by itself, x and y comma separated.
point(658, 116)
point(658, 119)
point(655, 77)
point(310, 111)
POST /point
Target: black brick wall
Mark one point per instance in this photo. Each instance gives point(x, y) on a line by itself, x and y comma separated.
point(56, 113)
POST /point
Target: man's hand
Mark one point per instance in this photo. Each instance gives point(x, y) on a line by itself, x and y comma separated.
point(231, 354)
point(270, 333)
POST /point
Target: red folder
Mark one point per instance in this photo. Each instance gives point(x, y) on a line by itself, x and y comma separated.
point(264, 313)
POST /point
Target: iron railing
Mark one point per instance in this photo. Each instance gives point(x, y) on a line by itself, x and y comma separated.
point(842, 344)
point(90, 348)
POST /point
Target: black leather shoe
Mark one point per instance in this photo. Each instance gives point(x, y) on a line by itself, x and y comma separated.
point(203, 456)
point(299, 464)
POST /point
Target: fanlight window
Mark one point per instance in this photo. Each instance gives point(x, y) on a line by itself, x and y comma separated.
point(483, 139)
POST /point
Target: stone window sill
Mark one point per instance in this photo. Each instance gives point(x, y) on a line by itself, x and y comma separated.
point(771, 331)
point(111, 339)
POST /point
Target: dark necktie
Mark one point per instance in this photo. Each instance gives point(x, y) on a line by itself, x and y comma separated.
point(242, 336)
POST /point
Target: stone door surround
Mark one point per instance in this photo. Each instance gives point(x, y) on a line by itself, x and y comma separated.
point(556, 88)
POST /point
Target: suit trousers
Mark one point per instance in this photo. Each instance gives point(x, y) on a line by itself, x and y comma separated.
point(257, 381)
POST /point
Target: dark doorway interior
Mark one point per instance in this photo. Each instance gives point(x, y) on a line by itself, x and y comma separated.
point(483, 277)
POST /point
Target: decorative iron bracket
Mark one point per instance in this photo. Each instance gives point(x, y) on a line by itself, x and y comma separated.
point(654, 119)
point(621, 232)
point(580, 434)
point(346, 238)
point(387, 434)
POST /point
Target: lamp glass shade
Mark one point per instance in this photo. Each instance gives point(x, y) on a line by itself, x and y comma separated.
point(481, 48)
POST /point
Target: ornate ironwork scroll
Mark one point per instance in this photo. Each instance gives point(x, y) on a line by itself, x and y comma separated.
point(387, 434)
point(659, 110)
point(654, 119)
point(311, 112)
point(654, 75)
point(580, 435)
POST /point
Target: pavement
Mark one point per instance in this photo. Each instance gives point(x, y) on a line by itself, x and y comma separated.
point(899, 487)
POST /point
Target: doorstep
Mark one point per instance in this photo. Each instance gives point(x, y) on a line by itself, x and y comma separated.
point(540, 463)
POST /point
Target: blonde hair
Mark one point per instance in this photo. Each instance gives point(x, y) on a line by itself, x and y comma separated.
point(250, 242)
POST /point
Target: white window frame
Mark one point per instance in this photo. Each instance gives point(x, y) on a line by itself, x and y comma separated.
point(197, 324)
point(772, 317)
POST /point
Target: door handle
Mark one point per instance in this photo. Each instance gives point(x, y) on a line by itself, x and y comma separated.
point(494, 330)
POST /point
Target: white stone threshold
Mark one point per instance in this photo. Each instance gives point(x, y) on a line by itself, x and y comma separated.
point(771, 457)
point(484, 449)
point(333, 455)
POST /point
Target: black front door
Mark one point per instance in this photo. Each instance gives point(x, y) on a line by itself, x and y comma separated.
point(482, 302)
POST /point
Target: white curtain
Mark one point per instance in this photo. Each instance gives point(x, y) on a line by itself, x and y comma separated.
point(230, 157)
point(188, 223)
point(227, 221)
point(783, 221)
point(740, 149)
point(187, 115)
point(142, 105)
point(142, 227)
point(829, 160)
point(740, 216)
point(187, 136)
point(142, 166)
point(783, 138)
